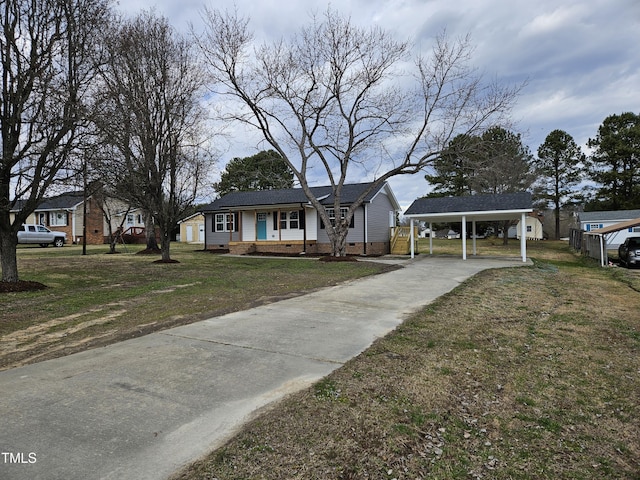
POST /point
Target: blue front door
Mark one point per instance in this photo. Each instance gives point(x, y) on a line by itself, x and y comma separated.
point(261, 226)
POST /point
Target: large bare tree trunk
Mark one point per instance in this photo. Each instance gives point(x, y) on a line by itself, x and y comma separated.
point(8, 256)
point(150, 233)
point(339, 241)
point(165, 247)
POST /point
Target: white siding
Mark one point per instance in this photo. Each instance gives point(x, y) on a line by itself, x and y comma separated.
point(248, 226)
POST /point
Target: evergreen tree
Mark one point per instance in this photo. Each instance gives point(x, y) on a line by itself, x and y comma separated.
point(454, 168)
point(264, 171)
point(559, 171)
point(615, 163)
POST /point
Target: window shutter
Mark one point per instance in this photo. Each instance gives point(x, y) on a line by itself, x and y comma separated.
point(276, 219)
point(236, 220)
point(301, 224)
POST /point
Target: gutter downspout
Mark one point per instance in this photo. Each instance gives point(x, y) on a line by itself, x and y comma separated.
point(304, 230)
point(366, 227)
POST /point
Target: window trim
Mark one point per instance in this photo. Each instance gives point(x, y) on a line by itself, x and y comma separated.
point(332, 216)
point(290, 220)
point(224, 222)
point(54, 218)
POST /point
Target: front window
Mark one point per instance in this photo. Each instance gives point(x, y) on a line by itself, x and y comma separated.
point(290, 220)
point(58, 219)
point(224, 222)
point(293, 220)
point(343, 214)
point(130, 219)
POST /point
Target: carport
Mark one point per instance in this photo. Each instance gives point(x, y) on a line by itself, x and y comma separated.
point(472, 208)
point(602, 236)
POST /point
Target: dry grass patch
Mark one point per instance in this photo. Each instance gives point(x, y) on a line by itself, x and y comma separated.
point(519, 373)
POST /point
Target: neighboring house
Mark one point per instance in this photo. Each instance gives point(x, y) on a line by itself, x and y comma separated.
point(192, 229)
point(65, 213)
point(590, 221)
point(284, 221)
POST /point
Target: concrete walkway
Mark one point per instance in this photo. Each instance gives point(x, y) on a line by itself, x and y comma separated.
point(143, 408)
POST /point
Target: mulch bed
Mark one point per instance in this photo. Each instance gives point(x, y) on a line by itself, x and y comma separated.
point(21, 286)
point(331, 258)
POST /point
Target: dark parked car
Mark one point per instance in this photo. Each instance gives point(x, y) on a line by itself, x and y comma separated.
point(629, 252)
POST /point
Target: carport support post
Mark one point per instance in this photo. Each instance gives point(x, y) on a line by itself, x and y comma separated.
point(464, 237)
point(412, 239)
point(523, 237)
point(473, 235)
point(430, 238)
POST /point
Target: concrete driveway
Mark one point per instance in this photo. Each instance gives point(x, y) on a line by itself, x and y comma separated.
point(143, 408)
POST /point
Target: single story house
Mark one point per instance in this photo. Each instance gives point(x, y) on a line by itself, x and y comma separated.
point(590, 221)
point(284, 221)
point(65, 213)
point(192, 228)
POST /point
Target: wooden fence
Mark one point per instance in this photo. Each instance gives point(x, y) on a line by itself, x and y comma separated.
point(590, 245)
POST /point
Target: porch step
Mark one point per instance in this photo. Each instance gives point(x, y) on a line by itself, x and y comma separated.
point(401, 240)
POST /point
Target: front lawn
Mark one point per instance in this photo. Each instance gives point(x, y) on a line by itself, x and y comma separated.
point(98, 299)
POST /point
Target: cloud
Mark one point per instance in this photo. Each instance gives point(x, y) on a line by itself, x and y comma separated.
point(579, 59)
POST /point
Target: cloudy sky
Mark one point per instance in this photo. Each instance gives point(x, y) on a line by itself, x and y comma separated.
point(580, 59)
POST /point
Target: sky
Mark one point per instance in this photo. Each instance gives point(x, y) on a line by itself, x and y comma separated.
point(580, 59)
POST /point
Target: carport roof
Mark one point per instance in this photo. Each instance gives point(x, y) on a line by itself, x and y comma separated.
point(503, 206)
point(616, 227)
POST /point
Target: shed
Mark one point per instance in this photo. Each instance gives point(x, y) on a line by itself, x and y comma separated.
point(192, 228)
point(473, 208)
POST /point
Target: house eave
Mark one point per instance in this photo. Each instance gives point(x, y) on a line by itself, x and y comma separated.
point(488, 215)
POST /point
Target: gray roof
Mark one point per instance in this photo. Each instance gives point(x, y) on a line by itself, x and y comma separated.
point(471, 204)
point(234, 200)
point(609, 216)
point(59, 202)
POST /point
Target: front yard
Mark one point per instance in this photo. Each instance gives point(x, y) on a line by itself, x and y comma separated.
point(98, 299)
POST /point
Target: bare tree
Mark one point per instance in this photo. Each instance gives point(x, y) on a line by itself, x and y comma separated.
point(44, 49)
point(150, 111)
point(335, 100)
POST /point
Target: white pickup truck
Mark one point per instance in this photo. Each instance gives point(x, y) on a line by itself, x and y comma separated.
point(41, 235)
